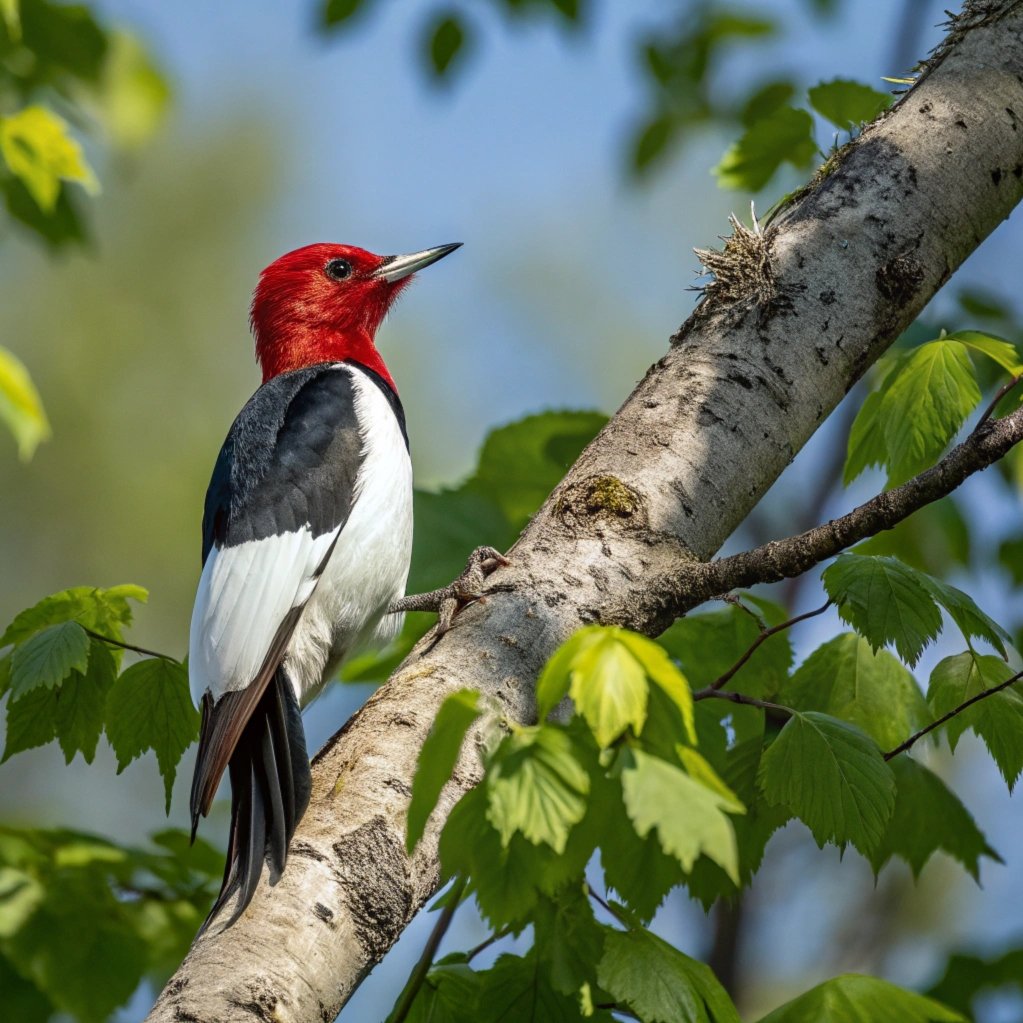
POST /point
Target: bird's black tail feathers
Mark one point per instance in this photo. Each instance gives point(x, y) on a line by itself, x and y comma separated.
point(270, 786)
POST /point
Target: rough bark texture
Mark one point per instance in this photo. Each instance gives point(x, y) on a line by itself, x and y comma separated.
point(796, 315)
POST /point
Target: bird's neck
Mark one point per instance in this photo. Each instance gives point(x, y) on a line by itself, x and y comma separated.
point(301, 348)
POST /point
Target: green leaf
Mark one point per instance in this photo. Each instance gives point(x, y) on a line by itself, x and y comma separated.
point(446, 992)
point(438, 757)
point(928, 817)
point(933, 539)
point(652, 140)
point(81, 705)
point(846, 103)
point(30, 722)
point(765, 101)
point(707, 645)
point(135, 95)
point(866, 440)
point(997, 719)
point(690, 816)
point(149, 708)
point(568, 939)
point(23, 1001)
point(609, 688)
point(966, 976)
point(101, 610)
point(20, 406)
point(964, 612)
point(665, 674)
point(37, 148)
point(446, 43)
point(852, 998)
point(924, 406)
point(537, 787)
point(997, 349)
point(517, 990)
point(11, 17)
point(659, 983)
point(846, 679)
point(785, 135)
point(832, 777)
point(885, 601)
point(49, 657)
point(520, 464)
point(336, 12)
point(20, 895)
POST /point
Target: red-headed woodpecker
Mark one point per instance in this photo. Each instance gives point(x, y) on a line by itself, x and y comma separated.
point(306, 540)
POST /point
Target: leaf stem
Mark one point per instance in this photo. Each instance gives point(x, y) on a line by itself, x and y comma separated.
point(765, 634)
point(748, 701)
point(976, 698)
point(999, 394)
point(422, 967)
point(129, 646)
point(484, 945)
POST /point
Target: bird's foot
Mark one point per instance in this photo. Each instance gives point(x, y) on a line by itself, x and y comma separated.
point(449, 600)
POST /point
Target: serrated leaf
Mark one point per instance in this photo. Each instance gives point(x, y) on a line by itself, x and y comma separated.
point(149, 708)
point(927, 818)
point(609, 688)
point(832, 777)
point(924, 406)
point(81, 705)
point(784, 135)
point(438, 757)
point(691, 818)
point(664, 673)
point(30, 722)
point(554, 681)
point(48, 658)
point(964, 612)
point(21, 408)
point(568, 939)
point(997, 719)
point(517, 990)
point(997, 349)
point(536, 787)
point(659, 983)
point(846, 103)
point(852, 998)
point(102, 610)
point(37, 148)
point(885, 601)
point(846, 679)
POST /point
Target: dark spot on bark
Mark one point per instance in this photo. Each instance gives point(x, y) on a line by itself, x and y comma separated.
point(261, 1002)
point(1013, 120)
point(961, 124)
point(1017, 171)
point(911, 174)
point(827, 297)
point(321, 912)
point(708, 417)
point(925, 108)
point(372, 869)
point(398, 785)
point(176, 985)
point(741, 380)
point(822, 355)
point(185, 1016)
point(996, 176)
point(900, 278)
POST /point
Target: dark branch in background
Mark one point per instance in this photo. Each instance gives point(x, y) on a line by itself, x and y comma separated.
point(130, 646)
point(766, 634)
point(917, 736)
point(784, 559)
point(422, 967)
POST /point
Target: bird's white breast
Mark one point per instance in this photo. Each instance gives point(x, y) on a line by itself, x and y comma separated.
point(369, 565)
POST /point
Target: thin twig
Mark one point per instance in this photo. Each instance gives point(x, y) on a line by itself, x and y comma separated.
point(999, 394)
point(746, 701)
point(422, 967)
point(484, 945)
point(765, 635)
point(916, 736)
point(129, 646)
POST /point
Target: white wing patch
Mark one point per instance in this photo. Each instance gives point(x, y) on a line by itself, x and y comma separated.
point(244, 593)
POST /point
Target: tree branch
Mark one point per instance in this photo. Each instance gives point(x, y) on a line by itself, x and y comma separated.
point(796, 314)
point(785, 559)
point(110, 641)
point(917, 736)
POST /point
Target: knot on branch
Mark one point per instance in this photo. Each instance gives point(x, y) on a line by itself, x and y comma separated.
point(742, 269)
point(603, 497)
point(900, 278)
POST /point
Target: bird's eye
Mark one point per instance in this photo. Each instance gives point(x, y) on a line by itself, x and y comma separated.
point(338, 269)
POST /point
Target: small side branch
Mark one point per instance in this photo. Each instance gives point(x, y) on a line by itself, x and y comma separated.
point(917, 736)
point(788, 558)
point(110, 641)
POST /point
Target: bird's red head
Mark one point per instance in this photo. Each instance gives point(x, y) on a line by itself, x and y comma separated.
point(324, 302)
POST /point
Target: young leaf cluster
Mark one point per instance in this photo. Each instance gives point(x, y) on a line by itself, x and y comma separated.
point(63, 681)
point(83, 920)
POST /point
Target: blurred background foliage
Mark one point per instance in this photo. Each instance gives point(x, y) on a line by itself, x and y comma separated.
point(153, 160)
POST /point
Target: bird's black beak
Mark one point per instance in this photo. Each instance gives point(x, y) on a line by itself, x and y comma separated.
point(395, 268)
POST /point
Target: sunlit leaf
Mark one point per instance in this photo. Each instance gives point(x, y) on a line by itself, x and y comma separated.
point(20, 406)
point(135, 95)
point(783, 136)
point(49, 657)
